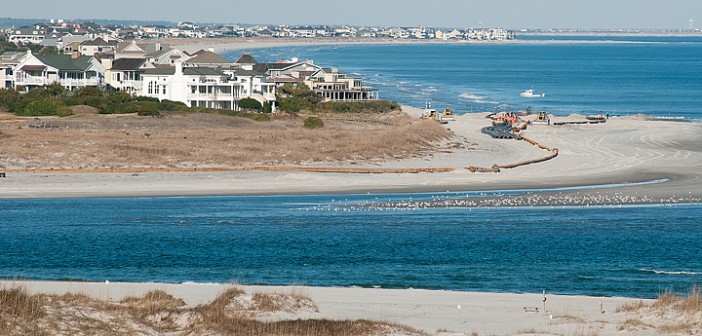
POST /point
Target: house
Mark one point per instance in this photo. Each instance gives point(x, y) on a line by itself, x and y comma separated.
point(97, 46)
point(196, 86)
point(125, 74)
point(167, 56)
point(8, 62)
point(206, 58)
point(253, 84)
point(335, 86)
point(27, 35)
point(71, 71)
point(138, 50)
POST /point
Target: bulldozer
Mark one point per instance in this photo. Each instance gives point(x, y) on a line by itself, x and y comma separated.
point(542, 118)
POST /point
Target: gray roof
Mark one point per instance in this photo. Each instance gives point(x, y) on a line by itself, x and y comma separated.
point(128, 63)
point(65, 62)
point(198, 71)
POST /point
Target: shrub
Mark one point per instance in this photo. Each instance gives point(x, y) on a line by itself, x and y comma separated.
point(267, 107)
point(250, 104)
point(170, 105)
point(89, 92)
point(96, 102)
point(64, 111)
point(313, 122)
point(43, 107)
point(147, 99)
point(7, 98)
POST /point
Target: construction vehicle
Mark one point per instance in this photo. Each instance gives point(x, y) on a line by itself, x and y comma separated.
point(506, 118)
point(447, 115)
point(542, 118)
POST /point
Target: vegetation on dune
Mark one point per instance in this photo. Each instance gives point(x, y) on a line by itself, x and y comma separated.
point(297, 98)
point(55, 100)
point(158, 313)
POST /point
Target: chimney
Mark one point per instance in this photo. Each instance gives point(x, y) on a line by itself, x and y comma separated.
point(75, 54)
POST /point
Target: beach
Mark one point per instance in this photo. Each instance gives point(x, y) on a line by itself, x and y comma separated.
point(432, 312)
point(622, 151)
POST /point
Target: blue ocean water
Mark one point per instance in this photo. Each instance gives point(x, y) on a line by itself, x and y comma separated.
point(308, 240)
point(657, 76)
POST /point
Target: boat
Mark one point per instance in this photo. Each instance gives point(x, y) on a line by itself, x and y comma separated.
point(530, 94)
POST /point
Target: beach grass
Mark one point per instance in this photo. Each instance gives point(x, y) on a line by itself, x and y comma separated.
point(159, 313)
point(204, 140)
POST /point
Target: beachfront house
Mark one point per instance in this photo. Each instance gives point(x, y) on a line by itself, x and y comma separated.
point(8, 62)
point(71, 71)
point(125, 74)
point(193, 86)
point(335, 86)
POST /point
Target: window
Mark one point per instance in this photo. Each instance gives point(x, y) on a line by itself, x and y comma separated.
point(164, 89)
point(151, 87)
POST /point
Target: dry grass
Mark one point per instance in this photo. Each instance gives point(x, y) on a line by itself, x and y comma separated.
point(159, 313)
point(671, 313)
point(204, 140)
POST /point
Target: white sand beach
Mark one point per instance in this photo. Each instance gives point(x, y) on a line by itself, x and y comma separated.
point(433, 312)
point(620, 151)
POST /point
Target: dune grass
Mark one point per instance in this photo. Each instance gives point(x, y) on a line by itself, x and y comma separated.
point(159, 313)
point(187, 140)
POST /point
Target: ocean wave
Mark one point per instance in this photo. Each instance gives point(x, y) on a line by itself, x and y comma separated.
point(475, 98)
point(670, 272)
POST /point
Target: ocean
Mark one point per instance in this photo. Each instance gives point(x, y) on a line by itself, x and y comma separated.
point(656, 76)
point(312, 240)
point(636, 251)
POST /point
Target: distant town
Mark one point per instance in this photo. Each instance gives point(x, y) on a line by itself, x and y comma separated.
point(145, 59)
point(54, 32)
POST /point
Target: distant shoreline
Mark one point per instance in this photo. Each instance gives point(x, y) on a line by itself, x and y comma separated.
point(232, 44)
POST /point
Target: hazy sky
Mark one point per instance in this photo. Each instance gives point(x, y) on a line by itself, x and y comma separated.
point(513, 14)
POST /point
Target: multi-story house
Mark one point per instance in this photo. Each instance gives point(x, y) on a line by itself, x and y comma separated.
point(27, 35)
point(71, 71)
point(125, 74)
point(8, 62)
point(196, 87)
point(335, 86)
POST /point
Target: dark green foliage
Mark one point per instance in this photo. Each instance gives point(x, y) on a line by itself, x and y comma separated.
point(366, 106)
point(172, 106)
point(252, 116)
point(148, 99)
point(296, 98)
point(267, 107)
point(44, 107)
point(7, 98)
point(313, 122)
point(88, 92)
point(250, 104)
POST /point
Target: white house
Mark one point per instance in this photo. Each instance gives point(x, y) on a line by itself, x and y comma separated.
point(71, 71)
point(335, 86)
point(196, 87)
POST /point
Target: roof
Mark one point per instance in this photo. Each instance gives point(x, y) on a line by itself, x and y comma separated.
point(65, 62)
point(96, 42)
point(246, 59)
point(196, 71)
point(207, 57)
point(33, 68)
point(127, 63)
point(244, 72)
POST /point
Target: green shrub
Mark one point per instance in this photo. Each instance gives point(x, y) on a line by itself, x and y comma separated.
point(365, 106)
point(147, 99)
point(170, 105)
point(89, 91)
point(267, 107)
point(43, 107)
point(96, 102)
point(7, 98)
point(313, 122)
point(250, 104)
point(64, 111)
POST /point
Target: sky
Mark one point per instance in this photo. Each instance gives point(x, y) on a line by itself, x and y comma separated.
point(513, 14)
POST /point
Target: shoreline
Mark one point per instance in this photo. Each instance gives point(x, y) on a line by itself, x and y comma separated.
point(220, 45)
point(436, 312)
point(623, 151)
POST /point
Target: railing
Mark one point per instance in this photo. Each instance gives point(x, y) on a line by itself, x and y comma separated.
point(79, 82)
point(31, 80)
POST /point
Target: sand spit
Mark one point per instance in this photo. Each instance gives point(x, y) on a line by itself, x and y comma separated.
point(423, 311)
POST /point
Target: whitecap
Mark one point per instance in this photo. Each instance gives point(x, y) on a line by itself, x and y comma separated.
point(670, 272)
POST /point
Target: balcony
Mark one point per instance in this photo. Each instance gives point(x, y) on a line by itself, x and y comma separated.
point(31, 80)
point(70, 82)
